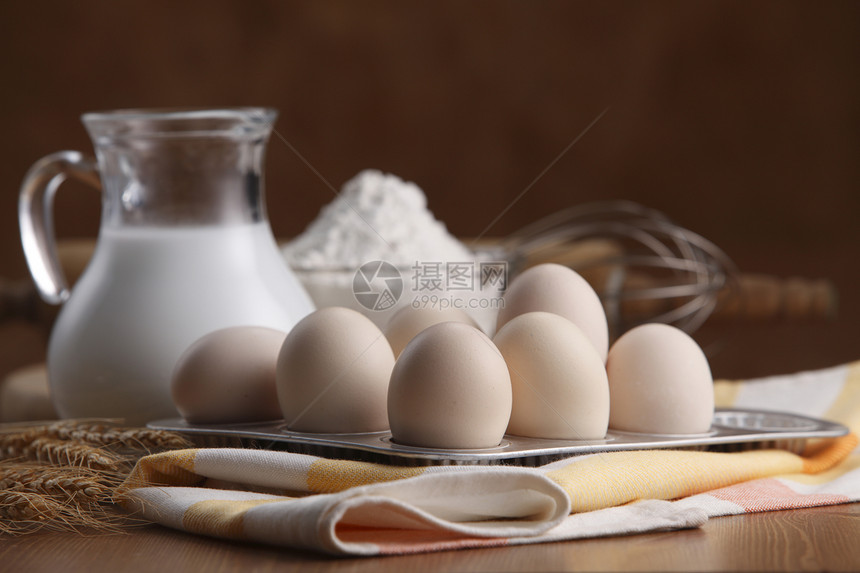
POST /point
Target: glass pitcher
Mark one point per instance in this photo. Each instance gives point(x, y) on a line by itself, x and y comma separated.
point(184, 248)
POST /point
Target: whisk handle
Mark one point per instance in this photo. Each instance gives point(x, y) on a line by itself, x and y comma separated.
point(766, 297)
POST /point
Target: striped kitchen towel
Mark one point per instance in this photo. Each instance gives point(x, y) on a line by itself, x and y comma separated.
point(361, 508)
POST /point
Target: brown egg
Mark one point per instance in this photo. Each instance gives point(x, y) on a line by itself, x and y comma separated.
point(332, 373)
point(659, 382)
point(229, 376)
point(409, 321)
point(559, 381)
point(560, 290)
point(449, 389)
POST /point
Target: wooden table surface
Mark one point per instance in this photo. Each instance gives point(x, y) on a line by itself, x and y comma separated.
point(819, 539)
point(810, 539)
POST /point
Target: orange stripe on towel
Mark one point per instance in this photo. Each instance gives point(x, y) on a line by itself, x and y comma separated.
point(831, 455)
point(771, 494)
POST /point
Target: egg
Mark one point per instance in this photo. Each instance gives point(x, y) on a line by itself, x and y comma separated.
point(560, 387)
point(332, 374)
point(554, 288)
point(409, 321)
point(228, 376)
point(659, 382)
point(449, 389)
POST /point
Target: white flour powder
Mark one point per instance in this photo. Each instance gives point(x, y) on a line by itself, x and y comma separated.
point(376, 216)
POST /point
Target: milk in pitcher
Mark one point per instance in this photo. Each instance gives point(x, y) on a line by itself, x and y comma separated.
point(146, 296)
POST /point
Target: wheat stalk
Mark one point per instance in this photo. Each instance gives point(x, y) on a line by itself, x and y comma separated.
point(59, 452)
point(109, 435)
point(82, 484)
point(64, 475)
point(24, 512)
point(24, 509)
point(34, 497)
point(86, 443)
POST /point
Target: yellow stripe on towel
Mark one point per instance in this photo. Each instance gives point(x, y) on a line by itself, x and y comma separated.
point(726, 393)
point(327, 476)
point(167, 468)
point(615, 478)
point(220, 517)
point(845, 407)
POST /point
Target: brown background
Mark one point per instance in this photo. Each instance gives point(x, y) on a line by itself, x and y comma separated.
point(741, 120)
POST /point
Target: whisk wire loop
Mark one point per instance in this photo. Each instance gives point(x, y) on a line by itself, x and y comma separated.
point(650, 269)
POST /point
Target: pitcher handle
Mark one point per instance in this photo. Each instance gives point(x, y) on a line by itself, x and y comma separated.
point(35, 215)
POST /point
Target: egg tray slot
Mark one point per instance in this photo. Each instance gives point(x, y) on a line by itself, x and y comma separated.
point(732, 430)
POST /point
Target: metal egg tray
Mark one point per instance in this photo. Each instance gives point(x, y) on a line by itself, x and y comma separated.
point(732, 430)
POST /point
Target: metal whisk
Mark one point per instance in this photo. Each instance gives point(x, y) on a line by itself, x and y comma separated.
point(644, 267)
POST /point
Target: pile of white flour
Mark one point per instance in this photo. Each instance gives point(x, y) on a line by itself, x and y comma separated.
point(376, 216)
